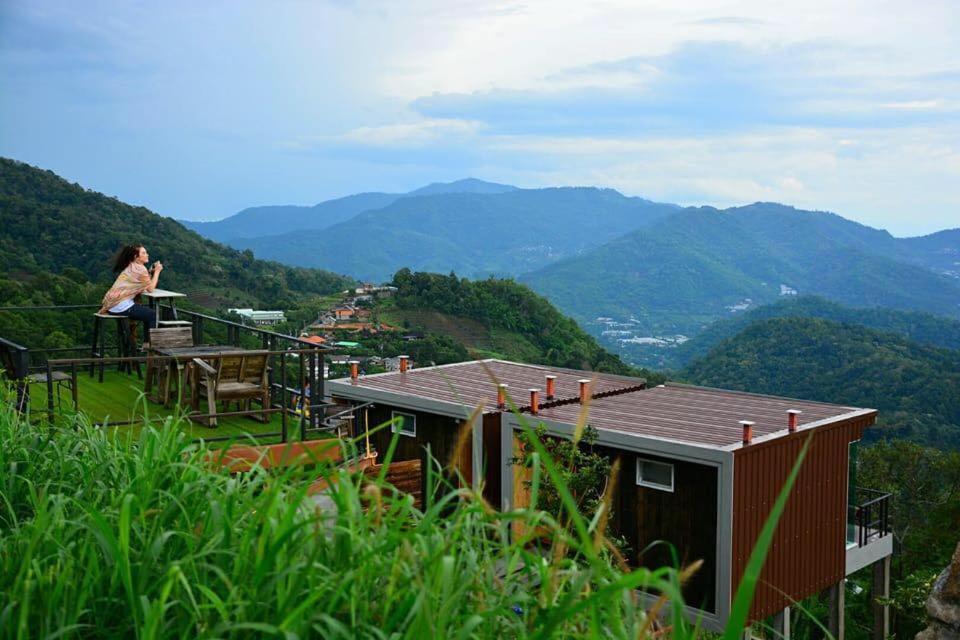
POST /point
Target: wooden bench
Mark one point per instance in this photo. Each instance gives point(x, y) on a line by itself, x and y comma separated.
point(240, 458)
point(404, 476)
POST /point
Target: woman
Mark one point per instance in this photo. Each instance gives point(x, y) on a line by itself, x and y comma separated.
point(132, 279)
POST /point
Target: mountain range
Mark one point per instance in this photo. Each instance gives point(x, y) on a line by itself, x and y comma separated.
point(699, 265)
point(626, 268)
point(255, 222)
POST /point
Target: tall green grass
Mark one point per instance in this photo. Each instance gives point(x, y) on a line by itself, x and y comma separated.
point(101, 538)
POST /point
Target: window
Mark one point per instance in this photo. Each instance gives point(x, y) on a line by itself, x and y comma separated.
point(405, 424)
point(653, 474)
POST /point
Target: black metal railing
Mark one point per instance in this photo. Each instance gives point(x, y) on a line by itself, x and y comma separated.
point(869, 514)
point(305, 400)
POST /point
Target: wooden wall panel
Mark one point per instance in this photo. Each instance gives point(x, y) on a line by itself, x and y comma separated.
point(809, 545)
point(656, 523)
point(439, 432)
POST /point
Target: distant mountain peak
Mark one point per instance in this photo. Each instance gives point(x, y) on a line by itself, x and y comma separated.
point(466, 185)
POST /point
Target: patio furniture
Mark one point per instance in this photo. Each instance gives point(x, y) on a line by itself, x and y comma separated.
point(154, 297)
point(236, 376)
point(182, 355)
point(125, 339)
point(60, 379)
point(167, 371)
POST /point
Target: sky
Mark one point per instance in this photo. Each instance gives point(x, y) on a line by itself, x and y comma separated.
point(200, 109)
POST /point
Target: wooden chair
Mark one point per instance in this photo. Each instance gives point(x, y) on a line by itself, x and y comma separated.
point(165, 371)
point(236, 376)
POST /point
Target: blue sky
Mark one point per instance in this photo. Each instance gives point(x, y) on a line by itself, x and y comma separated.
point(198, 110)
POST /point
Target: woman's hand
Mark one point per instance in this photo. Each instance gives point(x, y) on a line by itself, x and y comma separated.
point(157, 266)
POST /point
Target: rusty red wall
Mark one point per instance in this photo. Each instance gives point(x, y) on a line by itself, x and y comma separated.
point(809, 546)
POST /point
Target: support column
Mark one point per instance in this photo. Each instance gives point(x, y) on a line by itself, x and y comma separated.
point(836, 599)
point(781, 624)
point(476, 453)
point(881, 589)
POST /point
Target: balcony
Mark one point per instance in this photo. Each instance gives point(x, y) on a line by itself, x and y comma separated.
point(868, 529)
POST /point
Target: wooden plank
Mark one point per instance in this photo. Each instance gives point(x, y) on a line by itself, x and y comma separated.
point(241, 458)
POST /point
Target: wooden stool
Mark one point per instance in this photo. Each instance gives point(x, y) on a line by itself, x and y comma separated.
point(127, 343)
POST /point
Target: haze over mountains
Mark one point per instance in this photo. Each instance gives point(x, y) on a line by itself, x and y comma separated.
point(651, 269)
point(273, 220)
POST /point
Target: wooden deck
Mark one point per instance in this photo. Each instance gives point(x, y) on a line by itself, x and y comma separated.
point(120, 398)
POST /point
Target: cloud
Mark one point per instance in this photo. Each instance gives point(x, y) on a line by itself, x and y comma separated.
point(704, 86)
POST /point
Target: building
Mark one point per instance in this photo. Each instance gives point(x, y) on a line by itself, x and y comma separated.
point(344, 312)
point(700, 469)
point(260, 318)
point(369, 289)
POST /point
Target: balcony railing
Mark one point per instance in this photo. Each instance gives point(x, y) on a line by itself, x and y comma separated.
point(301, 401)
point(869, 515)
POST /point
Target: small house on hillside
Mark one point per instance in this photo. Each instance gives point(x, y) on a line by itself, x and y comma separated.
point(344, 312)
point(700, 469)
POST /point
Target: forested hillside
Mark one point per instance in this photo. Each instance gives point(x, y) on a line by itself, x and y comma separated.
point(57, 239)
point(923, 328)
point(53, 227)
point(915, 387)
point(681, 273)
point(504, 304)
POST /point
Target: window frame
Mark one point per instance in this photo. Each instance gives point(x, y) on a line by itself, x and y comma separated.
point(656, 485)
point(395, 428)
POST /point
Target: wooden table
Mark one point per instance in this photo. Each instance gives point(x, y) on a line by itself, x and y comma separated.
point(179, 368)
point(157, 295)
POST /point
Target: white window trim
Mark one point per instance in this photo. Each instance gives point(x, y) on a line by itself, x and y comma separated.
point(655, 485)
point(395, 428)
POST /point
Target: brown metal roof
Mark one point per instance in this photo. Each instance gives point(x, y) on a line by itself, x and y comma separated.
point(697, 415)
point(470, 383)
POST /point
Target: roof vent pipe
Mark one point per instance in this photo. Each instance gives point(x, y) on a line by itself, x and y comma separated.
point(403, 363)
point(551, 387)
point(534, 401)
point(747, 431)
point(354, 369)
point(501, 396)
point(792, 419)
point(584, 390)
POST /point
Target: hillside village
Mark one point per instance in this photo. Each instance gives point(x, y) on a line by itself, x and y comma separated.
point(345, 325)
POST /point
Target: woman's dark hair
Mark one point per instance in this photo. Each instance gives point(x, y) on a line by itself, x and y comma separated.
point(125, 255)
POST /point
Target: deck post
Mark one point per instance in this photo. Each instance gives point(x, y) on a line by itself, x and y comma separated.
point(301, 383)
point(283, 395)
point(781, 624)
point(50, 414)
point(836, 597)
point(312, 373)
point(881, 590)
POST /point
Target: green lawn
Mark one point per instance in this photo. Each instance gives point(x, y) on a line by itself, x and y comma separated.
point(120, 398)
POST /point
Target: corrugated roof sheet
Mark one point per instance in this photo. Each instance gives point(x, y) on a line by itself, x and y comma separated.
point(697, 415)
point(470, 383)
